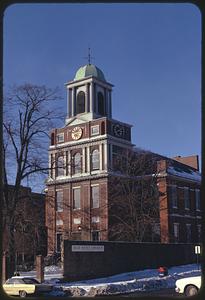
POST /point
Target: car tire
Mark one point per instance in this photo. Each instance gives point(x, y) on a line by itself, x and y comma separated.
point(22, 294)
point(191, 290)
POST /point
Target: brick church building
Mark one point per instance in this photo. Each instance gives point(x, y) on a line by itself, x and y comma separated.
point(84, 158)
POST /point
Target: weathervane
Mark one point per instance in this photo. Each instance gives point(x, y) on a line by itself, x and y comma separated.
point(89, 57)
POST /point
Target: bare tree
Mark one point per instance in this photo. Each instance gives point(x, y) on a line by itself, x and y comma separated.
point(29, 112)
point(134, 199)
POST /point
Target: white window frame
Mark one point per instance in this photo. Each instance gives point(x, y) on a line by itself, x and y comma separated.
point(59, 222)
point(77, 169)
point(95, 130)
point(176, 232)
point(77, 221)
point(61, 168)
point(57, 206)
point(95, 219)
point(96, 161)
point(73, 190)
point(60, 137)
point(94, 186)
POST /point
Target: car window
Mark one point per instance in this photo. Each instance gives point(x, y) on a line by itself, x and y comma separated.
point(30, 281)
point(14, 281)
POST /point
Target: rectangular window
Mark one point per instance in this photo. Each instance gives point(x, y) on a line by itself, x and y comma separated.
point(95, 130)
point(186, 198)
point(174, 196)
point(58, 242)
point(96, 219)
point(77, 221)
point(60, 137)
point(176, 232)
point(76, 198)
point(199, 233)
point(59, 222)
point(95, 197)
point(95, 235)
point(59, 200)
point(188, 233)
point(197, 197)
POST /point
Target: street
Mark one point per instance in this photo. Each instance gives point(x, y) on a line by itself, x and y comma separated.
point(162, 293)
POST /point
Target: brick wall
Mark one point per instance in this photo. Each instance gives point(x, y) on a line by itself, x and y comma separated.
point(119, 257)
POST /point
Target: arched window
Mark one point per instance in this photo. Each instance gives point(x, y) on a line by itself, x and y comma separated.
point(77, 163)
point(52, 138)
point(101, 104)
point(80, 104)
point(95, 160)
point(60, 166)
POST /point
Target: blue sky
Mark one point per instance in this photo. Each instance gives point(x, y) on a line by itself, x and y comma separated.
point(150, 52)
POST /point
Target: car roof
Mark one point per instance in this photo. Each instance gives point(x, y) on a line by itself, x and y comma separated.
point(22, 277)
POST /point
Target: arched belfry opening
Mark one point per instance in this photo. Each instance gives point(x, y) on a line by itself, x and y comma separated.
point(80, 103)
point(89, 94)
point(101, 104)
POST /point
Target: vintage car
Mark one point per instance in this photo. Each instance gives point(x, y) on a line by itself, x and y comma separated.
point(188, 286)
point(23, 286)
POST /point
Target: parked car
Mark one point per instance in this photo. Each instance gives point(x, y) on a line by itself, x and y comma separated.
point(23, 286)
point(188, 286)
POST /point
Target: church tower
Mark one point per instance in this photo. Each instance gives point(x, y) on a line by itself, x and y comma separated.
point(82, 157)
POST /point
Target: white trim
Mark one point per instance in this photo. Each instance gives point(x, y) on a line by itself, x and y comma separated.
point(76, 187)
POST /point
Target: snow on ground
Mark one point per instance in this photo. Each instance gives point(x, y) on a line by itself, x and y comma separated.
point(146, 280)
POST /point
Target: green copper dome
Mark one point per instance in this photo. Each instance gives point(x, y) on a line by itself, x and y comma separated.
point(89, 70)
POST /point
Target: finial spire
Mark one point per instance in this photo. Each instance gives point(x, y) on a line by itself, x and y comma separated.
point(89, 57)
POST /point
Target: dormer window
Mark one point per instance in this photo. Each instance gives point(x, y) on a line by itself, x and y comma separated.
point(80, 103)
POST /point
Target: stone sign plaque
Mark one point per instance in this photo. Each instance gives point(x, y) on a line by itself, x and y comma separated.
point(87, 248)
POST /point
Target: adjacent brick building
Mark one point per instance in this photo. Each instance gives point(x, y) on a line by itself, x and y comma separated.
point(84, 156)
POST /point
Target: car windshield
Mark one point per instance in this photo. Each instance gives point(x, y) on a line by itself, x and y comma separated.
point(30, 281)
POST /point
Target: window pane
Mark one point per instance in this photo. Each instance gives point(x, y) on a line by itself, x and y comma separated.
point(59, 200)
point(174, 196)
point(58, 242)
point(60, 166)
point(76, 198)
point(95, 160)
point(80, 107)
point(186, 198)
point(95, 197)
point(197, 195)
point(95, 236)
point(77, 163)
point(101, 104)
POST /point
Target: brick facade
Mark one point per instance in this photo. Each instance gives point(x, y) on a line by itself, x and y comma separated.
point(86, 153)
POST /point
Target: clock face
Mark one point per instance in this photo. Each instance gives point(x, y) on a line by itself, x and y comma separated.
point(76, 133)
point(118, 130)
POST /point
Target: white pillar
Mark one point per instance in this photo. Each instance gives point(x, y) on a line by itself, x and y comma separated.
point(111, 157)
point(69, 164)
point(101, 156)
point(84, 162)
point(87, 100)
point(91, 98)
point(88, 159)
point(72, 101)
point(105, 156)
